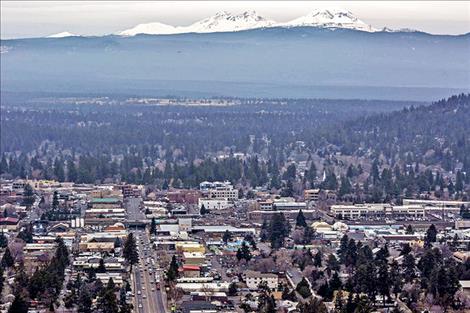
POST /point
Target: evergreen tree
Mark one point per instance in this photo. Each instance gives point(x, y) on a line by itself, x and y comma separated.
point(226, 237)
point(101, 267)
point(203, 210)
point(431, 236)
point(409, 230)
point(19, 305)
point(107, 302)
point(28, 196)
point(300, 220)
point(130, 250)
point(317, 260)
point(153, 227)
point(7, 259)
point(409, 267)
point(303, 288)
point(172, 272)
point(3, 240)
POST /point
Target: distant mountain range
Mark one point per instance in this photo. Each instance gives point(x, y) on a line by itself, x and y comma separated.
point(224, 21)
point(293, 60)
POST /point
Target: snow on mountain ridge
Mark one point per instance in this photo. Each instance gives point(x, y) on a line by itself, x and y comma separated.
point(62, 35)
point(330, 18)
point(150, 29)
point(227, 22)
point(222, 21)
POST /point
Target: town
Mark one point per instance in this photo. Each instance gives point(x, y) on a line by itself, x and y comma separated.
point(68, 247)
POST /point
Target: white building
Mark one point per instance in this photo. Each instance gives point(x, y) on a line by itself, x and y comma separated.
point(219, 190)
point(377, 211)
point(213, 204)
point(254, 279)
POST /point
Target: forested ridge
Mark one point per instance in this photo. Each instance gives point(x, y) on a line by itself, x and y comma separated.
point(363, 148)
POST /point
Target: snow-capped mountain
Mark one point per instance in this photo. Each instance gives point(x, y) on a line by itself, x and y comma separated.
point(221, 22)
point(61, 35)
point(227, 22)
point(330, 18)
point(150, 29)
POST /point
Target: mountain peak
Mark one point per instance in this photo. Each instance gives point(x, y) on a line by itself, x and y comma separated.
point(330, 18)
point(62, 35)
point(224, 21)
point(150, 29)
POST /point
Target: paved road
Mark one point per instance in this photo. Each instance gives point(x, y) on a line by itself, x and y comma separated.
point(148, 299)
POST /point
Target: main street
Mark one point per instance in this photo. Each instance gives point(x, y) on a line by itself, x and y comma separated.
point(147, 275)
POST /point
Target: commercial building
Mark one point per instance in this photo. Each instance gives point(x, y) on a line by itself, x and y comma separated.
point(213, 204)
point(253, 279)
point(219, 190)
point(377, 211)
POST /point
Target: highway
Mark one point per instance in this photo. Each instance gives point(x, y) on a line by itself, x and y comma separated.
point(147, 297)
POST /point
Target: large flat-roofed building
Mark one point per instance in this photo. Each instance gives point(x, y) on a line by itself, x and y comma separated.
point(219, 190)
point(312, 194)
point(254, 279)
point(213, 204)
point(377, 211)
point(286, 204)
point(260, 216)
point(437, 203)
point(438, 206)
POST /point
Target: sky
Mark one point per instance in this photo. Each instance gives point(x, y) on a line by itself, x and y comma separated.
point(20, 19)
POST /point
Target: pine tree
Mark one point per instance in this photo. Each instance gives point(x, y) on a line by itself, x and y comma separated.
point(203, 210)
point(153, 227)
point(431, 236)
point(172, 272)
point(7, 259)
point(300, 220)
point(246, 253)
point(409, 230)
point(226, 237)
point(130, 250)
point(3, 240)
point(317, 260)
point(28, 195)
point(19, 305)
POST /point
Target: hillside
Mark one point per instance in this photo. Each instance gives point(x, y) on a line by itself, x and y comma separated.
point(299, 62)
point(437, 134)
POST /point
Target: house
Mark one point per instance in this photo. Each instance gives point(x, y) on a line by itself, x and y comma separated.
point(9, 223)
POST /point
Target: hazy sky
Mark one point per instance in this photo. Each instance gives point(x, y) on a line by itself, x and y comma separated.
point(38, 18)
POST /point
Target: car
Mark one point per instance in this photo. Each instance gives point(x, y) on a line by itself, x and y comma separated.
point(153, 289)
point(144, 296)
point(138, 292)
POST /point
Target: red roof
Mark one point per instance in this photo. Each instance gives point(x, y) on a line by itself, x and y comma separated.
point(9, 220)
point(191, 268)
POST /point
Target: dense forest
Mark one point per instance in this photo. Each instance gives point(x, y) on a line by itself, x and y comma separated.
point(366, 150)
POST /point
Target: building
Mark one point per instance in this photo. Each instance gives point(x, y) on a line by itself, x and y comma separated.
point(190, 270)
point(219, 190)
point(186, 196)
point(254, 279)
point(259, 216)
point(312, 194)
point(287, 204)
point(377, 211)
point(193, 258)
point(213, 204)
